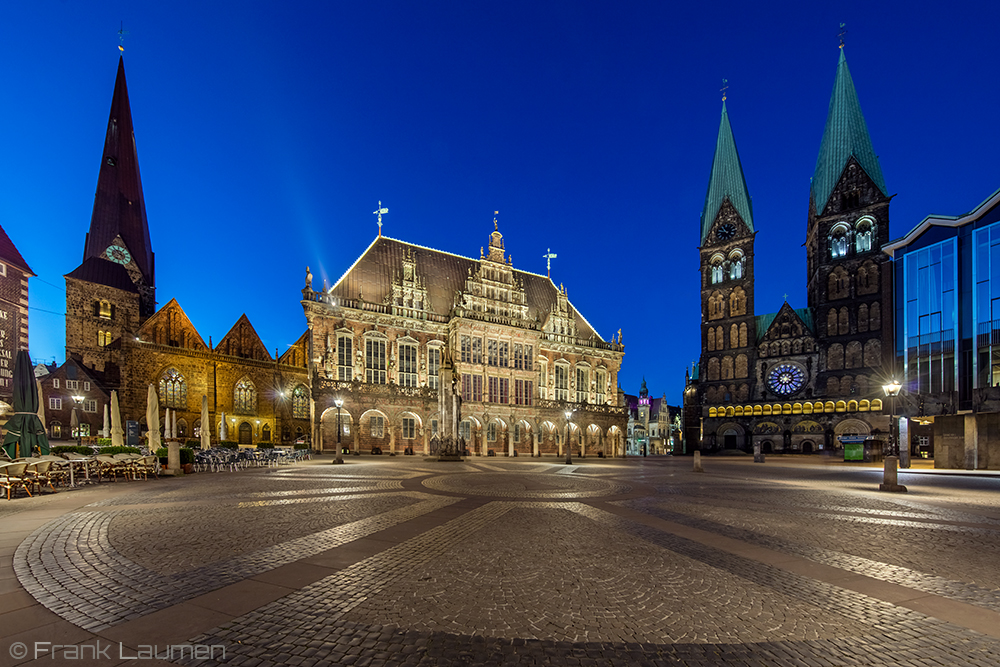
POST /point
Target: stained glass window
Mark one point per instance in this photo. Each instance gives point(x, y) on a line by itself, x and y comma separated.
point(300, 403)
point(173, 389)
point(244, 398)
point(786, 379)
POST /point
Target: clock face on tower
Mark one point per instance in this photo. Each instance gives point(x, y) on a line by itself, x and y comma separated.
point(786, 379)
point(725, 232)
point(116, 253)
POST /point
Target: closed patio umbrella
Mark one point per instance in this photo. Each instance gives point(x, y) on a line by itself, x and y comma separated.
point(41, 404)
point(117, 434)
point(153, 418)
point(223, 429)
point(106, 432)
point(25, 432)
point(206, 426)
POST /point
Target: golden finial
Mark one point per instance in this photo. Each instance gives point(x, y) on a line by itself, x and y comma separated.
point(495, 214)
point(121, 36)
point(843, 31)
point(725, 86)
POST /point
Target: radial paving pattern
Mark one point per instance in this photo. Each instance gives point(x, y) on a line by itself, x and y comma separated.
point(405, 561)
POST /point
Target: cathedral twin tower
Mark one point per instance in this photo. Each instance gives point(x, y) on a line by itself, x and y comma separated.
point(798, 379)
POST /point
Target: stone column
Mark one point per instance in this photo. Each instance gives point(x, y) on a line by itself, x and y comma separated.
point(392, 440)
point(583, 444)
point(534, 443)
point(971, 442)
point(357, 442)
point(427, 440)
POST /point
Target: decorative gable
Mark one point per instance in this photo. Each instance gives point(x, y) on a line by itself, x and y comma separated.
point(296, 354)
point(788, 333)
point(170, 326)
point(242, 341)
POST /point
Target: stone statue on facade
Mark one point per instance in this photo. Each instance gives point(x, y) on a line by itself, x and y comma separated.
point(450, 408)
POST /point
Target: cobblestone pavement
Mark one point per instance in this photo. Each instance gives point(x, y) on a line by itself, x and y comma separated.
point(405, 561)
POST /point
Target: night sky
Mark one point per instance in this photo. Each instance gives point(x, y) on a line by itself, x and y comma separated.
point(268, 132)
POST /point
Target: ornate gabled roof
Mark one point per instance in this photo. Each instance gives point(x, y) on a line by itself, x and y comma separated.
point(119, 207)
point(726, 180)
point(372, 276)
point(170, 325)
point(804, 315)
point(242, 341)
point(845, 134)
point(297, 352)
point(10, 255)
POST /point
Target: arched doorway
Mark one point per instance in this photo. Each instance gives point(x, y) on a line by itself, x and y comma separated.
point(246, 434)
point(265, 433)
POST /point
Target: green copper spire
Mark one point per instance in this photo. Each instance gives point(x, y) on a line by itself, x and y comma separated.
point(726, 180)
point(846, 134)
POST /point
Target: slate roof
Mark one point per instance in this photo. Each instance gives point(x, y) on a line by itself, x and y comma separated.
point(104, 272)
point(119, 207)
point(763, 322)
point(10, 255)
point(845, 134)
point(726, 180)
point(373, 273)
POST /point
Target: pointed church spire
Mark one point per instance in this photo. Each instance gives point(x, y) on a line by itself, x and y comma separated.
point(726, 180)
point(844, 136)
point(119, 207)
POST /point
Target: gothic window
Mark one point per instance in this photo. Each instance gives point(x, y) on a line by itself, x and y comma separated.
point(875, 319)
point(852, 356)
point(602, 381)
point(409, 428)
point(763, 350)
point(523, 392)
point(543, 378)
point(835, 357)
point(465, 430)
point(375, 361)
point(839, 284)
point(433, 366)
point(736, 265)
point(863, 318)
point(477, 350)
point(173, 389)
point(477, 387)
point(863, 235)
point(868, 278)
point(345, 347)
point(245, 398)
point(838, 240)
point(734, 336)
point(493, 387)
point(376, 424)
point(491, 352)
point(491, 432)
point(716, 306)
point(832, 387)
point(831, 322)
point(466, 387)
point(743, 335)
point(786, 347)
point(741, 366)
point(727, 368)
point(775, 348)
point(504, 349)
point(466, 349)
point(408, 365)
point(873, 353)
point(300, 403)
point(797, 346)
point(562, 382)
point(738, 302)
point(582, 385)
point(713, 368)
point(103, 338)
point(504, 393)
point(716, 270)
point(844, 322)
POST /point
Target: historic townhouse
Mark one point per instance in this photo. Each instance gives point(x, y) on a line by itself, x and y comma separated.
point(523, 356)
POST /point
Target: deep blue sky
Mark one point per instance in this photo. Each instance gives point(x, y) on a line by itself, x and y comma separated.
point(267, 134)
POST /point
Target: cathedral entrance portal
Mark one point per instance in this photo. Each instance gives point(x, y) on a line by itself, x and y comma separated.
point(246, 434)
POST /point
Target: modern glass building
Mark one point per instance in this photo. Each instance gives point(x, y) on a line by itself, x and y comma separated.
point(947, 315)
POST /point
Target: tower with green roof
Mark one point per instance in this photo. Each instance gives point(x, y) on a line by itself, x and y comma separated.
point(848, 281)
point(727, 293)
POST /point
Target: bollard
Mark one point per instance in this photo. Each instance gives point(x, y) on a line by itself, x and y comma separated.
point(174, 457)
point(758, 456)
point(697, 462)
point(889, 478)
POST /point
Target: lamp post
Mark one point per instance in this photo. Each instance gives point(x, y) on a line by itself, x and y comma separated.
point(78, 401)
point(569, 455)
point(340, 452)
point(891, 390)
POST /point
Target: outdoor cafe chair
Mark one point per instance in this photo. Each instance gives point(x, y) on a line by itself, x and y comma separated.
point(37, 474)
point(110, 467)
point(12, 477)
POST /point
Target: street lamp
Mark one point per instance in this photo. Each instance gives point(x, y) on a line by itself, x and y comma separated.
point(77, 400)
point(569, 456)
point(891, 390)
point(340, 452)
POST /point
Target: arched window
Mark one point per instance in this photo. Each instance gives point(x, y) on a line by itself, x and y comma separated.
point(864, 230)
point(713, 368)
point(863, 318)
point(737, 302)
point(873, 353)
point(835, 357)
point(173, 389)
point(716, 270)
point(832, 387)
point(838, 240)
point(741, 366)
point(720, 339)
point(844, 322)
point(838, 284)
point(743, 335)
point(852, 357)
point(875, 317)
point(831, 322)
point(734, 336)
point(727, 368)
point(711, 339)
point(736, 265)
point(300, 403)
point(868, 278)
point(245, 398)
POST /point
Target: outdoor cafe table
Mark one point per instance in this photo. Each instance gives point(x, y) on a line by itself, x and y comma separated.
point(86, 470)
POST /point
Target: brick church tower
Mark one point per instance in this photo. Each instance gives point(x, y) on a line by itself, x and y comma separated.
point(113, 291)
point(848, 281)
point(727, 288)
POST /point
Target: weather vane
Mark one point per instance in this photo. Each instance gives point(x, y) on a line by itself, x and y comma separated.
point(121, 36)
point(549, 256)
point(495, 214)
point(725, 87)
point(379, 212)
point(843, 31)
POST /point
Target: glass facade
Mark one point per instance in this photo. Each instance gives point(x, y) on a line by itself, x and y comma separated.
point(986, 307)
point(930, 280)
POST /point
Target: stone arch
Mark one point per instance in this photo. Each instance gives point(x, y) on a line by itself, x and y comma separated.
point(713, 368)
point(734, 336)
point(873, 353)
point(868, 278)
point(616, 441)
point(833, 386)
point(838, 284)
point(730, 435)
point(742, 369)
point(853, 355)
point(863, 318)
point(720, 339)
point(852, 427)
point(727, 368)
point(328, 428)
point(835, 357)
point(844, 321)
point(831, 322)
point(737, 302)
point(743, 335)
point(710, 341)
